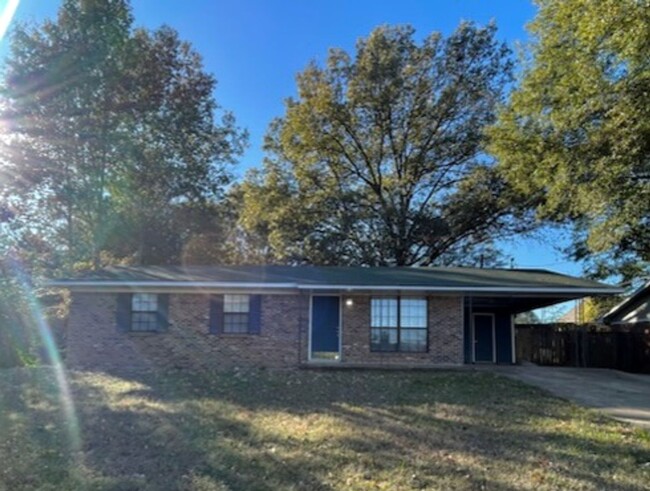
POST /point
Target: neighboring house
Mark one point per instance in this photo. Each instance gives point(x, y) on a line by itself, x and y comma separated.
point(633, 311)
point(283, 316)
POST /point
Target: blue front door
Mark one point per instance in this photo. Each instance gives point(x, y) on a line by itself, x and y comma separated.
point(483, 338)
point(325, 326)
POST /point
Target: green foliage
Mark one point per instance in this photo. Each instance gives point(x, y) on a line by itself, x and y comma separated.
point(594, 308)
point(576, 132)
point(111, 130)
point(380, 158)
point(527, 318)
point(180, 154)
point(18, 332)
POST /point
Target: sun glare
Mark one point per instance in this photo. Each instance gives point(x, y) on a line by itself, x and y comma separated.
point(39, 322)
point(7, 11)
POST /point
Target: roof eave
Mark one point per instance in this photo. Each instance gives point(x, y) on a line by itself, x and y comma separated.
point(111, 284)
point(632, 298)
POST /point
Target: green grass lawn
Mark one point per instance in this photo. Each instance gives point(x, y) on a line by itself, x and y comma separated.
point(306, 430)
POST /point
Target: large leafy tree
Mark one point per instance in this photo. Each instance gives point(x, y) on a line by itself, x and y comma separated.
point(108, 130)
point(576, 132)
point(178, 148)
point(60, 80)
point(379, 160)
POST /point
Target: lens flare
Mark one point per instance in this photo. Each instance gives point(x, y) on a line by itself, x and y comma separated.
point(44, 332)
point(7, 11)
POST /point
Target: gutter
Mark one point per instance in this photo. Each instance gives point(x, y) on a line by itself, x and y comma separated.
point(350, 288)
point(167, 284)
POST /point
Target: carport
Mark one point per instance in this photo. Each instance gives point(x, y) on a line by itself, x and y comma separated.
point(489, 330)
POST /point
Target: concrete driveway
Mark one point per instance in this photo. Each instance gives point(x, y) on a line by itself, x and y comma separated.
point(624, 396)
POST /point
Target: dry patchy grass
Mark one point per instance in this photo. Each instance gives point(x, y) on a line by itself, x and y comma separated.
point(307, 430)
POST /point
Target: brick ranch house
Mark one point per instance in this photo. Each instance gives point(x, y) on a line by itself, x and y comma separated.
point(284, 316)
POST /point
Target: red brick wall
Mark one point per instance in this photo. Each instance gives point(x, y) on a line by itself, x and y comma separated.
point(445, 334)
point(93, 340)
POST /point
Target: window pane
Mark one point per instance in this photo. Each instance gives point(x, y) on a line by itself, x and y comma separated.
point(383, 312)
point(144, 302)
point(235, 303)
point(235, 323)
point(383, 339)
point(144, 321)
point(413, 313)
point(413, 340)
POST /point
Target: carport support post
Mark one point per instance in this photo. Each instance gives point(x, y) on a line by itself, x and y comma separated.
point(471, 331)
point(576, 347)
point(584, 338)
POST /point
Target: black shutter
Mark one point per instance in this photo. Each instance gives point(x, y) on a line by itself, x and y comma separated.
point(216, 314)
point(123, 312)
point(163, 311)
point(255, 314)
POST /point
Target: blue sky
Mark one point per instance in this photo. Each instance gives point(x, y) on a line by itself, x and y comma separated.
point(255, 48)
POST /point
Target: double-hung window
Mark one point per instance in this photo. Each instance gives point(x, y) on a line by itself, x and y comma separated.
point(398, 324)
point(236, 311)
point(144, 312)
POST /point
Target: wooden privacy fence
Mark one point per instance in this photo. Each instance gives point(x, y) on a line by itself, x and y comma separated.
point(594, 346)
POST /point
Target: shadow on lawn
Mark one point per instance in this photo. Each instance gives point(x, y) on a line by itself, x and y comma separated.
point(34, 430)
point(200, 431)
point(389, 433)
point(173, 442)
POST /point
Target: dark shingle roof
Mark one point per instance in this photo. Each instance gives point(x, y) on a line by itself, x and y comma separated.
point(335, 276)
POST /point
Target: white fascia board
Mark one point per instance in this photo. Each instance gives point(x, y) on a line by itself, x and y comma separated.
point(169, 284)
point(295, 286)
point(629, 299)
point(469, 290)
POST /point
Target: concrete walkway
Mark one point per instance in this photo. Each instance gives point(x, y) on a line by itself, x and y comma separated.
point(624, 396)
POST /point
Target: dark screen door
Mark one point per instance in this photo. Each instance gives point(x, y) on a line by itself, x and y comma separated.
point(483, 338)
point(325, 317)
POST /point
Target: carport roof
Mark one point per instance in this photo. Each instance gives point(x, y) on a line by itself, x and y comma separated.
point(467, 280)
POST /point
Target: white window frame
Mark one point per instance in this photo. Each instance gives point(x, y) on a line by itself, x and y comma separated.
point(398, 327)
point(144, 303)
point(238, 304)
